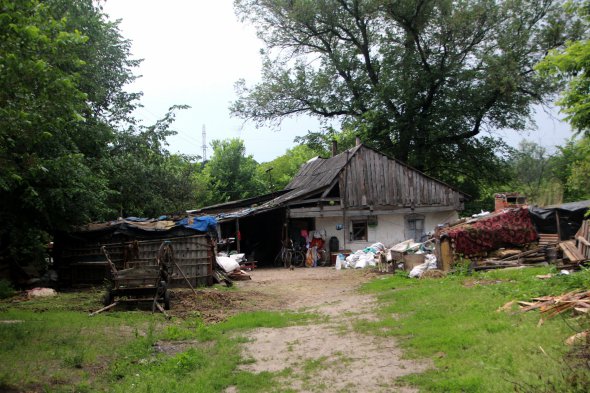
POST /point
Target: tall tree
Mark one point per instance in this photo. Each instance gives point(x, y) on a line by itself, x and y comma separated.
point(43, 172)
point(62, 71)
point(144, 178)
point(571, 166)
point(230, 173)
point(534, 174)
point(418, 79)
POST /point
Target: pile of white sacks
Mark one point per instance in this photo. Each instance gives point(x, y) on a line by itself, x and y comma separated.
point(369, 256)
point(361, 258)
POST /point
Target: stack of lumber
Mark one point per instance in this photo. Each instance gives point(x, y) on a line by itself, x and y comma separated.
point(514, 258)
point(570, 251)
point(546, 239)
point(550, 306)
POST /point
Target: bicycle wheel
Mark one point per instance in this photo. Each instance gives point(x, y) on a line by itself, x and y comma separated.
point(278, 259)
point(287, 259)
point(298, 259)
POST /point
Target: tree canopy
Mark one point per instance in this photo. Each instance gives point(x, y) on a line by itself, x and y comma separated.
point(419, 79)
point(70, 150)
point(571, 65)
point(230, 173)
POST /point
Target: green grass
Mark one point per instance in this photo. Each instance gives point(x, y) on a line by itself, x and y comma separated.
point(474, 348)
point(52, 349)
point(53, 345)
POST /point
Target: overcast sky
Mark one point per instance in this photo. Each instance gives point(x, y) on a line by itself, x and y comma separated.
point(194, 51)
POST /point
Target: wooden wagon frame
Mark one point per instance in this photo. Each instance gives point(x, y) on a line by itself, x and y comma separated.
point(141, 283)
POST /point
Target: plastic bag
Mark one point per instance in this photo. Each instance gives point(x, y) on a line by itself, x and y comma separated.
point(228, 264)
point(339, 261)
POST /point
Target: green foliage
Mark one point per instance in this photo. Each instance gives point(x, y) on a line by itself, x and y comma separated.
point(569, 66)
point(45, 162)
point(475, 348)
point(572, 166)
point(230, 173)
point(417, 80)
point(276, 174)
point(6, 289)
point(147, 180)
point(551, 179)
point(70, 151)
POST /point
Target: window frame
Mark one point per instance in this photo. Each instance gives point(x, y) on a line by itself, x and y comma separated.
point(356, 222)
point(411, 229)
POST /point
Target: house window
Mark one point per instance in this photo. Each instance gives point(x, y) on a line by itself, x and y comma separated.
point(414, 227)
point(359, 230)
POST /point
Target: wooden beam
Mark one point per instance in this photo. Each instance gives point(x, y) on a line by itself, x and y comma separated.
point(336, 211)
point(103, 309)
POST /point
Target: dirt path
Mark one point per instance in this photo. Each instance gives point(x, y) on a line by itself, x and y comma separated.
point(327, 356)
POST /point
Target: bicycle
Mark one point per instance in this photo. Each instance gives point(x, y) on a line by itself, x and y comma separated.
point(284, 256)
point(297, 257)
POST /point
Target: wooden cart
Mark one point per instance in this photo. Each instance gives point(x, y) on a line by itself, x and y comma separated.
point(142, 283)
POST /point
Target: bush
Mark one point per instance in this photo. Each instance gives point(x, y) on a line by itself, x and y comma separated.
point(6, 289)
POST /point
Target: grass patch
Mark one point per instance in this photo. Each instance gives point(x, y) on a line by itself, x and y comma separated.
point(475, 349)
point(48, 347)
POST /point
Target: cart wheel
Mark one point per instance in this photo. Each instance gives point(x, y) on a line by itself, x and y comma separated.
point(107, 298)
point(167, 300)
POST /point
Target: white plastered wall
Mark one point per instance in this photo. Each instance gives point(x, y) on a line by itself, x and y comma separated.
point(390, 228)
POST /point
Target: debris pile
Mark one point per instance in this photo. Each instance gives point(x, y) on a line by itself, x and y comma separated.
point(361, 259)
point(511, 238)
point(230, 268)
point(551, 306)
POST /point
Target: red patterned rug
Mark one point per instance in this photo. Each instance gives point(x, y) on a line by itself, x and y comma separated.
point(510, 227)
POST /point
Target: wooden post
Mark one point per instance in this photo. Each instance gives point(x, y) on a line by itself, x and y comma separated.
point(446, 253)
point(238, 234)
point(558, 224)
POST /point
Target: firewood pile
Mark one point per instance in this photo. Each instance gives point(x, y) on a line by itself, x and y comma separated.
point(551, 306)
point(577, 302)
point(564, 254)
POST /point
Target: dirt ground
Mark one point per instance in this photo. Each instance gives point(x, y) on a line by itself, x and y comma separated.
point(325, 356)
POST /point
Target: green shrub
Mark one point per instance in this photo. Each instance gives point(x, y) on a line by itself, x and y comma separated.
point(6, 289)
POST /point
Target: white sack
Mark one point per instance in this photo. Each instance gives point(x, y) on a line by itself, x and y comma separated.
point(429, 264)
point(228, 264)
point(360, 264)
point(238, 257)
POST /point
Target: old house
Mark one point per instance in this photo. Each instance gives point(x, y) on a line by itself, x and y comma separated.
point(359, 197)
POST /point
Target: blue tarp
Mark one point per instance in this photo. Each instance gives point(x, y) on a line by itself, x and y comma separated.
point(202, 223)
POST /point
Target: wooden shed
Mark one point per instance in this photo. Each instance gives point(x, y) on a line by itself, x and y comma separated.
point(79, 260)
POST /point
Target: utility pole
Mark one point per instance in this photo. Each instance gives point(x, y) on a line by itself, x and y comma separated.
point(204, 144)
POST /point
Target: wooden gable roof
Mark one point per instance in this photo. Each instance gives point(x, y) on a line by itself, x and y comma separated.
point(367, 177)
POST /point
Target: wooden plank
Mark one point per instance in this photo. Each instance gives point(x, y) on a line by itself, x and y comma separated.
point(375, 179)
point(371, 175)
point(387, 183)
point(392, 165)
point(103, 309)
point(570, 251)
point(446, 253)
